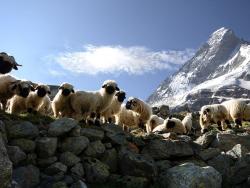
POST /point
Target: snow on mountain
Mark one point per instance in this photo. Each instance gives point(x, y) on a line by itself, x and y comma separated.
point(219, 70)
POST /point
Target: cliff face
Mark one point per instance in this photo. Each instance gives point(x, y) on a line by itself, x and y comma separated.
point(219, 70)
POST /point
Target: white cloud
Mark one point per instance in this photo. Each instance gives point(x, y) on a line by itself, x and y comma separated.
point(117, 59)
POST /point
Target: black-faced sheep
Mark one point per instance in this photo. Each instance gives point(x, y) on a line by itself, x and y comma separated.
point(140, 107)
point(61, 103)
point(238, 110)
point(90, 104)
point(153, 122)
point(7, 63)
point(114, 108)
point(214, 113)
point(31, 103)
point(10, 86)
point(171, 125)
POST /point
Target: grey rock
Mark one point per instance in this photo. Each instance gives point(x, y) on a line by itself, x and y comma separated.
point(46, 162)
point(61, 126)
point(30, 159)
point(75, 144)
point(227, 141)
point(76, 131)
point(164, 149)
point(56, 168)
point(92, 134)
point(27, 176)
point(46, 146)
point(25, 144)
point(16, 154)
point(22, 130)
point(134, 164)
point(209, 153)
point(110, 158)
point(5, 165)
point(68, 180)
point(206, 139)
point(77, 171)
point(238, 151)
point(117, 138)
point(95, 149)
point(189, 175)
point(59, 184)
point(108, 145)
point(79, 184)
point(112, 128)
point(96, 171)
point(129, 181)
point(163, 165)
point(69, 159)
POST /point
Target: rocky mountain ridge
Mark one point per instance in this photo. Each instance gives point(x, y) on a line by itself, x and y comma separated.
point(218, 71)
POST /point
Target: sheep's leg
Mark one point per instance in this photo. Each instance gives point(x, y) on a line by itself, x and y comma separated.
point(219, 125)
point(238, 123)
point(97, 119)
point(110, 120)
point(224, 125)
point(228, 124)
point(91, 118)
point(4, 104)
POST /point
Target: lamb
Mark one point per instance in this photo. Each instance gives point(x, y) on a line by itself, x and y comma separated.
point(31, 103)
point(7, 63)
point(187, 122)
point(238, 110)
point(60, 103)
point(140, 107)
point(215, 113)
point(90, 104)
point(153, 122)
point(171, 125)
point(127, 118)
point(114, 108)
point(10, 86)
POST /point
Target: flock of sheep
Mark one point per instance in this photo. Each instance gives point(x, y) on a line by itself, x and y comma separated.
point(106, 105)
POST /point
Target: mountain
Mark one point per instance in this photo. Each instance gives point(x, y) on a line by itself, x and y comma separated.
point(218, 71)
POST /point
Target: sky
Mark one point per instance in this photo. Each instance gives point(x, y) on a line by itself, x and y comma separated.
point(138, 43)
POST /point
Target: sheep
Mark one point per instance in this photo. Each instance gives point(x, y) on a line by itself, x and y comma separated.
point(31, 103)
point(187, 122)
point(238, 110)
point(60, 103)
point(127, 118)
point(45, 106)
point(171, 125)
point(10, 86)
point(90, 104)
point(214, 113)
point(140, 107)
point(114, 108)
point(7, 63)
point(153, 122)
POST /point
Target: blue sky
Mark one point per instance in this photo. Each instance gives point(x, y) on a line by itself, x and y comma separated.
point(136, 42)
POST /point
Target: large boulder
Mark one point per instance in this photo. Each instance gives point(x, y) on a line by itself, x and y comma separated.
point(46, 146)
point(206, 139)
point(62, 126)
point(16, 154)
point(209, 153)
point(189, 175)
point(56, 168)
point(110, 158)
point(5, 165)
point(75, 144)
point(238, 151)
point(25, 144)
point(95, 149)
point(69, 159)
point(92, 134)
point(24, 129)
point(164, 149)
point(27, 176)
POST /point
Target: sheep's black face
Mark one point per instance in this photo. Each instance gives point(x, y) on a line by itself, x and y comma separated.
point(5, 66)
point(24, 92)
point(121, 96)
point(128, 105)
point(66, 92)
point(41, 92)
point(110, 89)
point(170, 124)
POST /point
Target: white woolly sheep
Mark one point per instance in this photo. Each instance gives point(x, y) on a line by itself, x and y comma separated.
point(10, 86)
point(60, 103)
point(238, 110)
point(7, 63)
point(140, 107)
point(153, 122)
point(127, 118)
point(171, 125)
point(114, 108)
point(45, 107)
point(31, 103)
point(93, 103)
point(214, 113)
point(187, 122)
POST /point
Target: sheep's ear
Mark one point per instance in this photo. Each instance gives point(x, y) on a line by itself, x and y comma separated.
point(105, 85)
point(117, 93)
point(73, 91)
point(32, 88)
point(49, 92)
point(117, 88)
point(60, 88)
